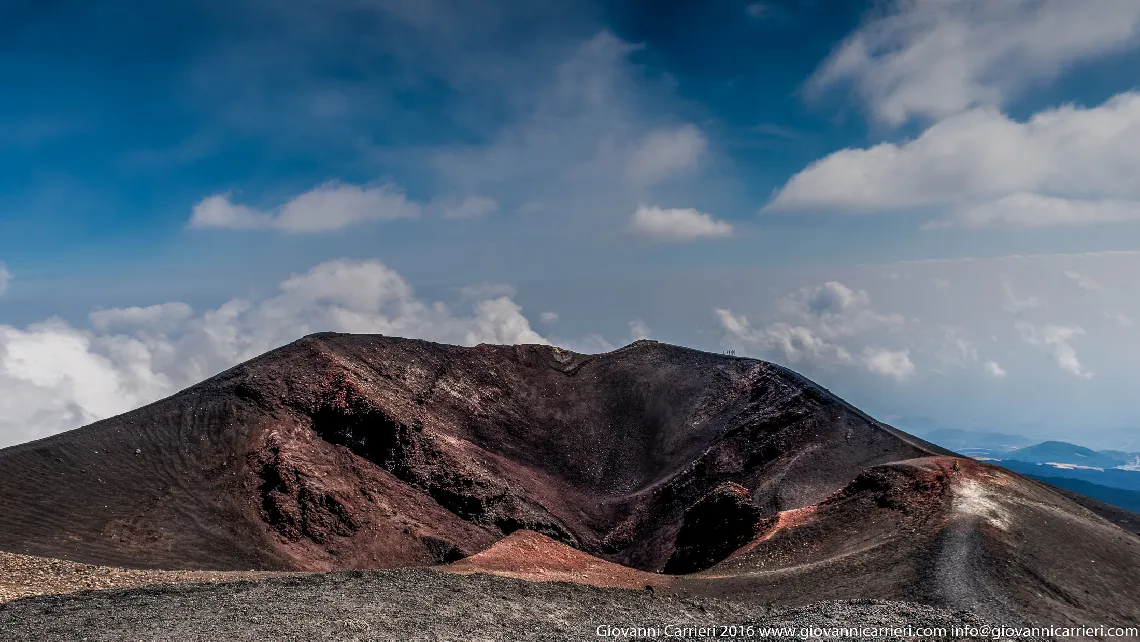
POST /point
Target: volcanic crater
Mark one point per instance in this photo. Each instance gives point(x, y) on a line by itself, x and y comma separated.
point(714, 474)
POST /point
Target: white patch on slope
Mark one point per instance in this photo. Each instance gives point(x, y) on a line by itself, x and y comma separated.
point(973, 498)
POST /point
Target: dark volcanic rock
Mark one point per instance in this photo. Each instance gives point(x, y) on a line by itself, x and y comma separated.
point(350, 451)
point(420, 604)
point(714, 527)
point(362, 451)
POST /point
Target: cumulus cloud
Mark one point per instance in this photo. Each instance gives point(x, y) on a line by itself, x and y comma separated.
point(1057, 339)
point(1083, 281)
point(472, 207)
point(819, 326)
point(836, 310)
point(892, 363)
point(1065, 166)
point(678, 224)
point(328, 207)
point(548, 317)
point(664, 153)
point(933, 59)
point(5, 278)
point(793, 343)
point(56, 376)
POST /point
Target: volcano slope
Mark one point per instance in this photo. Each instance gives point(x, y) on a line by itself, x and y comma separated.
point(363, 451)
point(351, 451)
point(944, 531)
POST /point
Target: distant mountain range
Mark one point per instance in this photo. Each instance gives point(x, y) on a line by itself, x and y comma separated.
point(1062, 454)
point(1119, 497)
point(1121, 437)
point(1112, 476)
point(975, 443)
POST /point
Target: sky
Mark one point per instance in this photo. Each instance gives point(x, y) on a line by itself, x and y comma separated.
point(931, 207)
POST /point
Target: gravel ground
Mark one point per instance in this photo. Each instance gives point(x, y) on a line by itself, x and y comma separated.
point(27, 575)
point(419, 604)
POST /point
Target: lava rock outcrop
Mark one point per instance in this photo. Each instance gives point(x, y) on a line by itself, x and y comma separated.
point(717, 525)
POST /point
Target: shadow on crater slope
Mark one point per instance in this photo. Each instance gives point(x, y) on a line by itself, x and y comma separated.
point(363, 451)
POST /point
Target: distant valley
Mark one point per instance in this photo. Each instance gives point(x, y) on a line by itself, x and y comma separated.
point(1112, 476)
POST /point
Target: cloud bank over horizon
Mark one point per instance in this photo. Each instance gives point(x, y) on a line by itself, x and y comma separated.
point(57, 376)
point(900, 331)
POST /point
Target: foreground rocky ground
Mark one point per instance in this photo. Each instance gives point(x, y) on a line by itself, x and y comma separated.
point(28, 575)
point(422, 604)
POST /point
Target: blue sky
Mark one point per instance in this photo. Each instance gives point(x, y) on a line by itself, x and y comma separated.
point(930, 207)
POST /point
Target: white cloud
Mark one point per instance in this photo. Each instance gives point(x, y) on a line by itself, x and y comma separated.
point(1033, 210)
point(678, 224)
point(933, 59)
point(831, 298)
point(219, 211)
point(794, 343)
point(664, 153)
point(548, 317)
point(327, 207)
point(1083, 281)
point(1057, 338)
point(836, 310)
point(472, 207)
point(54, 376)
point(1065, 166)
point(995, 369)
point(825, 322)
point(5, 278)
point(892, 363)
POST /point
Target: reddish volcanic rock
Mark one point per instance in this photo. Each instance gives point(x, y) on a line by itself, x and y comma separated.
point(363, 451)
point(532, 556)
point(946, 531)
point(352, 451)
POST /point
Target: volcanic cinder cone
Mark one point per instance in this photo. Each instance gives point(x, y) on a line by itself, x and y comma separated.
point(362, 451)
